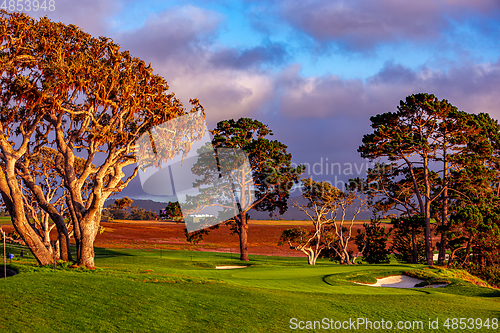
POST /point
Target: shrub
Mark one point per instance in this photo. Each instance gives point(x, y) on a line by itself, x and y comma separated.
point(142, 214)
point(106, 215)
point(490, 274)
point(373, 242)
point(402, 246)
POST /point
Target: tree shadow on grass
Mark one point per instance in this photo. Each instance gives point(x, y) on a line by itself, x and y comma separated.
point(490, 293)
point(11, 271)
point(108, 253)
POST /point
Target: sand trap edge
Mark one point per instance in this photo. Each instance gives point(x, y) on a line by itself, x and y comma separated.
point(398, 281)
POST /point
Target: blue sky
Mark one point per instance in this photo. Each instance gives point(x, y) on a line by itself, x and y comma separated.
point(246, 25)
point(314, 71)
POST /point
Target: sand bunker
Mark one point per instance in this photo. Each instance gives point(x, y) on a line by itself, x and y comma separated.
point(399, 281)
point(230, 267)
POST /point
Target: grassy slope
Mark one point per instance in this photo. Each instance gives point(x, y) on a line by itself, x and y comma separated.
point(175, 291)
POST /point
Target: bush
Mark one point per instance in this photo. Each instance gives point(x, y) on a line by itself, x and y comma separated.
point(141, 214)
point(106, 215)
point(490, 274)
point(402, 246)
point(373, 242)
point(119, 213)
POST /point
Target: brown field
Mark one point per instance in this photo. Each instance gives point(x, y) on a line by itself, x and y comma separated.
point(263, 236)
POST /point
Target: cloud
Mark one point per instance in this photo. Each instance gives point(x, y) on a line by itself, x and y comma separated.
point(363, 24)
point(225, 93)
point(327, 116)
point(92, 16)
point(181, 44)
point(269, 54)
point(181, 33)
point(321, 116)
point(319, 96)
point(471, 87)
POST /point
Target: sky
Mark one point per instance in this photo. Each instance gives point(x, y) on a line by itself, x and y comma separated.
point(314, 71)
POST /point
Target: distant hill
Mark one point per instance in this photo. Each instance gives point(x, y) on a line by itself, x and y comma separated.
point(148, 205)
point(291, 214)
point(295, 214)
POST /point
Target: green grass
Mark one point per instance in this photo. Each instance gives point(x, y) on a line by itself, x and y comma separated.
point(181, 291)
point(5, 220)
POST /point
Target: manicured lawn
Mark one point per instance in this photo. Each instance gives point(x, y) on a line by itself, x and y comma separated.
point(181, 291)
point(5, 220)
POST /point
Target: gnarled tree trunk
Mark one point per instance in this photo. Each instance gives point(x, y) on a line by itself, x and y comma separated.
point(89, 226)
point(15, 205)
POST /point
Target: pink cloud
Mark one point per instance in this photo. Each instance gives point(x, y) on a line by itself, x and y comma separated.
point(362, 24)
point(471, 87)
point(92, 16)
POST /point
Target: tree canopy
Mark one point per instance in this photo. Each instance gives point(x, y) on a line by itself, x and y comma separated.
point(440, 161)
point(326, 206)
point(262, 185)
point(84, 97)
point(415, 136)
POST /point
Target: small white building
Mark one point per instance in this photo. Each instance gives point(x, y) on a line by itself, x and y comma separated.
point(197, 218)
